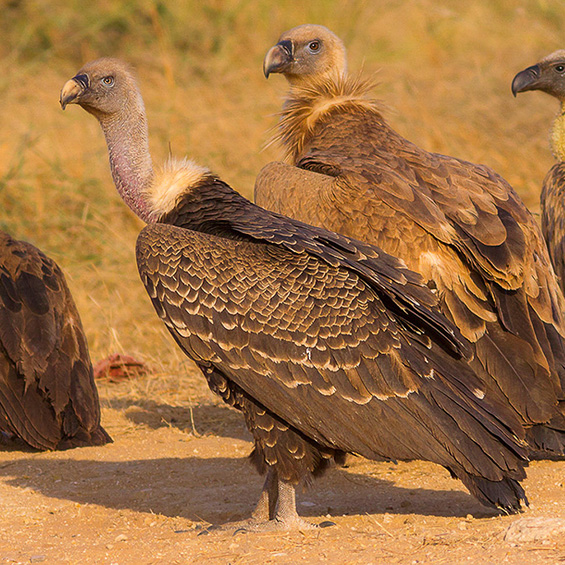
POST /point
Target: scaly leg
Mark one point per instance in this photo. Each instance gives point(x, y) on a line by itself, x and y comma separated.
point(286, 516)
point(265, 509)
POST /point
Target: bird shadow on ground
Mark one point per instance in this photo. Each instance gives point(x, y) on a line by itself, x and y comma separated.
point(219, 490)
point(202, 419)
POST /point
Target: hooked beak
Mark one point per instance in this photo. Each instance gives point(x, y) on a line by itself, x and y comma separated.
point(526, 80)
point(73, 89)
point(278, 58)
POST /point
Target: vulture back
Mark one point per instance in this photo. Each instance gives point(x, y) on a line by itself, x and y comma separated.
point(460, 225)
point(48, 397)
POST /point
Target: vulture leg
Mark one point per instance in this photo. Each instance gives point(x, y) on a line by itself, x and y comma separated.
point(286, 516)
point(277, 509)
point(265, 509)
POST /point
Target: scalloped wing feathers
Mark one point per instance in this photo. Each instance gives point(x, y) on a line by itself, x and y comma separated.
point(314, 344)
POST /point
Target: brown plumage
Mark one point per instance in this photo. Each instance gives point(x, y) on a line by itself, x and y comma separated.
point(327, 345)
point(460, 225)
point(549, 76)
point(47, 393)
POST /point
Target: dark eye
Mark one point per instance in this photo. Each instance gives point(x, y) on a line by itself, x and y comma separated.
point(108, 81)
point(314, 46)
point(559, 68)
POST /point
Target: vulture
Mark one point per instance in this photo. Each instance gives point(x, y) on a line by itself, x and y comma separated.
point(549, 76)
point(47, 393)
point(459, 225)
point(327, 345)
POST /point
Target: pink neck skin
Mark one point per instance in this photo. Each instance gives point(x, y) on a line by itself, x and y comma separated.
point(130, 160)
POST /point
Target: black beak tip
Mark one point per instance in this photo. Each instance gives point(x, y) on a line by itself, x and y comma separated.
point(278, 58)
point(526, 80)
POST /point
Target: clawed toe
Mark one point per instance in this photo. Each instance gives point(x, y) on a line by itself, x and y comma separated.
point(253, 525)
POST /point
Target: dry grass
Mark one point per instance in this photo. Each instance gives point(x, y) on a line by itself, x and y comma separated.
point(445, 70)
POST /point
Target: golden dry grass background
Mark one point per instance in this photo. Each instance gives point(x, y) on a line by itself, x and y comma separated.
point(444, 68)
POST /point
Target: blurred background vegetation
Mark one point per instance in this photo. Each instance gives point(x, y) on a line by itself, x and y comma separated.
point(444, 69)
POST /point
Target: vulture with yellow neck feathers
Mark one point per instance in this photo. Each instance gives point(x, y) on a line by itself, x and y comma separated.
point(549, 76)
point(459, 225)
point(326, 345)
point(47, 393)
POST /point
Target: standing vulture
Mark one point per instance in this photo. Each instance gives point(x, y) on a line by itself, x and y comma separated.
point(327, 345)
point(47, 393)
point(459, 225)
point(549, 76)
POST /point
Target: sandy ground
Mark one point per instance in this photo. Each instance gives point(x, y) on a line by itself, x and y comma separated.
point(176, 468)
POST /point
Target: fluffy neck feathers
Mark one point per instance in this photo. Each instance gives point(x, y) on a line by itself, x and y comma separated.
point(557, 137)
point(306, 105)
point(175, 179)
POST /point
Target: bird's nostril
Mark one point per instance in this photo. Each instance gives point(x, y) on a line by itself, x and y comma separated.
point(82, 80)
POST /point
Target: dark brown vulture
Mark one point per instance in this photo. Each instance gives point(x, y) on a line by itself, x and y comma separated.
point(459, 225)
point(327, 345)
point(549, 76)
point(47, 393)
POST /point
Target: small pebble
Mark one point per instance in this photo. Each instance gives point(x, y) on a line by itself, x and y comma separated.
point(37, 558)
point(121, 537)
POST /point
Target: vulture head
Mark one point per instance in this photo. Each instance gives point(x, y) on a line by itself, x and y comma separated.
point(107, 89)
point(548, 76)
point(102, 87)
point(305, 53)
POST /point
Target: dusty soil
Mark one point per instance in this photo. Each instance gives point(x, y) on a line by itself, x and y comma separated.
point(178, 466)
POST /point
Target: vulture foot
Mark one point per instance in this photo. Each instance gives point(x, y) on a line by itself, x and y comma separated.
point(276, 509)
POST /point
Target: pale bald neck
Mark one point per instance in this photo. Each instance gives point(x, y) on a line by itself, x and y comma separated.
point(298, 82)
point(558, 134)
point(130, 160)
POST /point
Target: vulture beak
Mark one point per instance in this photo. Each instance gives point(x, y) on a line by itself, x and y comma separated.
point(526, 80)
point(278, 58)
point(73, 89)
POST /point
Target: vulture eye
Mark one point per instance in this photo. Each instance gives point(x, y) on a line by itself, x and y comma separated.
point(559, 68)
point(108, 81)
point(314, 46)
